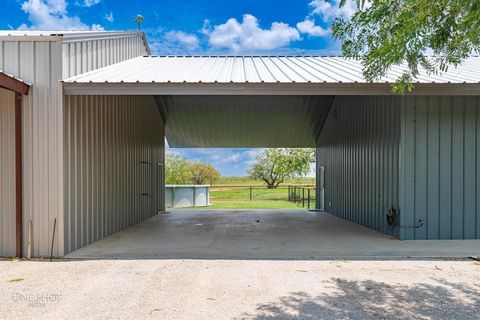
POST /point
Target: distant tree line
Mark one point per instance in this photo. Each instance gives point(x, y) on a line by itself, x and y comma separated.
point(179, 170)
point(273, 166)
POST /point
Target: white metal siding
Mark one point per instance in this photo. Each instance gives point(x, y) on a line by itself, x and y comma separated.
point(84, 56)
point(7, 173)
point(38, 62)
point(359, 147)
point(440, 170)
point(112, 147)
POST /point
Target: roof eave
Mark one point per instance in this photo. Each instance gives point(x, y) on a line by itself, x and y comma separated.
point(91, 88)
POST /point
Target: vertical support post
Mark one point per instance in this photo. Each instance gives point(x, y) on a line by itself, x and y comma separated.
point(303, 197)
point(308, 192)
point(250, 193)
point(18, 174)
point(194, 196)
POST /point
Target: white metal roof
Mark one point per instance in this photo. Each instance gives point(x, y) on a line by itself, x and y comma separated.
point(261, 75)
point(67, 35)
point(46, 32)
point(259, 69)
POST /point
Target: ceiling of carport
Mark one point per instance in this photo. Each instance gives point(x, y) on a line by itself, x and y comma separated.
point(243, 121)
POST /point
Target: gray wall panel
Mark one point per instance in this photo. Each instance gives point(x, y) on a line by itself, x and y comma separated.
point(7, 173)
point(107, 185)
point(42, 64)
point(359, 148)
point(440, 148)
point(39, 63)
point(84, 56)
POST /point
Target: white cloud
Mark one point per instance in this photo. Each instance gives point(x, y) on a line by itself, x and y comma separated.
point(248, 35)
point(308, 26)
point(109, 17)
point(329, 10)
point(89, 3)
point(52, 15)
point(97, 27)
point(189, 41)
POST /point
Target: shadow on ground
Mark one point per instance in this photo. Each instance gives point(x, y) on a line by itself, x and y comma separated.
point(377, 300)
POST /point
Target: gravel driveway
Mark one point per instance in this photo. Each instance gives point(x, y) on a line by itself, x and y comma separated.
point(239, 289)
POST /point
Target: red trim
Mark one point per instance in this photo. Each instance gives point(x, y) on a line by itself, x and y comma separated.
point(18, 174)
point(12, 84)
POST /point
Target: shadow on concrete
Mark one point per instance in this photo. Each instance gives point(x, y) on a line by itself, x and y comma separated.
point(377, 300)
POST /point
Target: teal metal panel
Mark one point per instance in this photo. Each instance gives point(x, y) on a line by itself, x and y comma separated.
point(445, 168)
point(469, 172)
point(407, 210)
point(418, 154)
point(358, 147)
point(421, 165)
point(433, 168)
point(440, 163)
point(477, 160)
point(458, 158)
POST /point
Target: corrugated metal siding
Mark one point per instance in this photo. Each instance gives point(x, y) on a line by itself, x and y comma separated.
point(258, 69)
point(83, 56)
point(112, 147)
point(441, 167)
point(243, 121)
point(359, 147)
point(7, 173)
point(38, 62)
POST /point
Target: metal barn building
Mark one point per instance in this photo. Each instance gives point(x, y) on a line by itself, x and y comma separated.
point(83, 116)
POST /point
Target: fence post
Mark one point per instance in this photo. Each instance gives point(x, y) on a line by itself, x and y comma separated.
point(308, 192)
point(303, 197)
point(250, 193)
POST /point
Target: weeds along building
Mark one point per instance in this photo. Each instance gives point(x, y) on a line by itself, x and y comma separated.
point(83, 117)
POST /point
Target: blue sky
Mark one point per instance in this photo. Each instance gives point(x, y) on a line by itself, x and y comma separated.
point(196, 27)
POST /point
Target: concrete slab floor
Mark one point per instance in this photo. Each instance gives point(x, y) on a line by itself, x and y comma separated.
point(263, 234)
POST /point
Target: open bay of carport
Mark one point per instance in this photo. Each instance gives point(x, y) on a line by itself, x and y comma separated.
point(263, 235)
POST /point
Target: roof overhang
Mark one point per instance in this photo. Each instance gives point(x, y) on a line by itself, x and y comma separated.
point(13, 84)
point(149, 88)
point(243, 121)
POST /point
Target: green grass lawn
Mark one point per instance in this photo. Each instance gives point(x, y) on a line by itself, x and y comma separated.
point(259, 204)
point(262, 198)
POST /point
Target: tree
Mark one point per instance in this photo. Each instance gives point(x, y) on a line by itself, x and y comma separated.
point(177, 170)
point(203, 173)
point(388, 33)
point(273, 166)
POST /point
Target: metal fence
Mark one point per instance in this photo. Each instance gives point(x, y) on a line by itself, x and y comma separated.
point(248, 193)
point(303, 196)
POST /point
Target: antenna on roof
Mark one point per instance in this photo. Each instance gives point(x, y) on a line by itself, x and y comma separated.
point(139, 19)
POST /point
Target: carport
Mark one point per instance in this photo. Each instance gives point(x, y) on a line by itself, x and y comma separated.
point(415, 156)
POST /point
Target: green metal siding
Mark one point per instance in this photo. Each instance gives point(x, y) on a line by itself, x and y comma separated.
point(112, 147)
point(359, 147)
point(440, 154)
